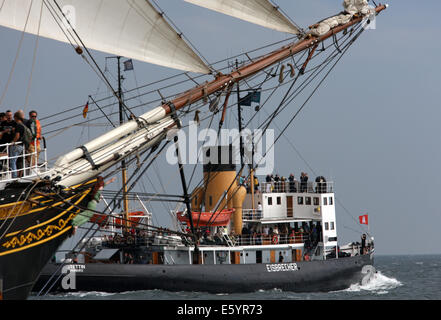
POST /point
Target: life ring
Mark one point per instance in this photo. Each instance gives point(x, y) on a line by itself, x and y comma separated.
point(275, 239)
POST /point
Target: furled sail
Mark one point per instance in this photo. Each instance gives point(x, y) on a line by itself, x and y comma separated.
point(261, 12)
point(128, 28)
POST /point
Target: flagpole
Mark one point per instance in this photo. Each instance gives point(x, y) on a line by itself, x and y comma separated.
point(368, 220)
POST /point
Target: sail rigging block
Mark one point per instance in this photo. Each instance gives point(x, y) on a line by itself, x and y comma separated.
point(131, 28)
point(261, 12)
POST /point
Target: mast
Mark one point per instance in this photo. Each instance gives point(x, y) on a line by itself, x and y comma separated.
point(187, 200)
point(252, 175)
point(239, 115)
point(123, 162)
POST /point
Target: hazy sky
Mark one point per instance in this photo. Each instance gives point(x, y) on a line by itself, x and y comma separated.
point(373, 128)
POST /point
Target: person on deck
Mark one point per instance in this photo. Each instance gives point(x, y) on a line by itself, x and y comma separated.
point(303, 182)
point(16, 160)
point(280, 257)
point(259, 211)
point(8, 129)
point(363, 244)
point(292, 183)
point(34, 148)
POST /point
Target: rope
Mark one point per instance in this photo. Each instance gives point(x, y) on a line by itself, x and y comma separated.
point(17, 54)
point(34, 59)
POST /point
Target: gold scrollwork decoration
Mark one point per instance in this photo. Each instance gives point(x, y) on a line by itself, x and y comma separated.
point(39, 234)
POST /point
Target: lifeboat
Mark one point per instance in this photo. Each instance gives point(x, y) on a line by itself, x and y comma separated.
point(134, 218)
point(99, 219)
point(208, 219)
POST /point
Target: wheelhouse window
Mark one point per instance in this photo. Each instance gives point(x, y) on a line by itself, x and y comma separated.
point(326, 225)
point(308, 201)
point(331, 201)
point(316, 201)
point(279, 201)
point(270, 201)
point(325, 201)
point(332, 226)
point(300, 200)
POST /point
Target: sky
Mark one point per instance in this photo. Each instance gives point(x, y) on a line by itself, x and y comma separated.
point(373, 128)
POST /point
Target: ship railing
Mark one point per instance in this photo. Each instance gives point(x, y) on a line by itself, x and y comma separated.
point(251, 214)
point(17, 162)
point(296, 187)
point(266, 239)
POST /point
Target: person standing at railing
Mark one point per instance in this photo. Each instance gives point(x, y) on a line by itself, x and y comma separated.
point(17, 148)
point(268, 184)
point(2, 130)
point(8, 129)
point(34, 148)
point(303, 182)
point(256, 184)
point(277, 183)
point(282, 185)
point(259, 211)
point(292, 183)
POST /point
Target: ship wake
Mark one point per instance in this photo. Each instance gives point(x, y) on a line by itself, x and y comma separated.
point(378, 283)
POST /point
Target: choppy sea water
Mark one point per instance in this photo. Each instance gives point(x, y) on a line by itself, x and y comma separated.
point(397, 278)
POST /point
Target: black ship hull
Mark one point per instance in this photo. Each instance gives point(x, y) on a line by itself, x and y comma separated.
point(314, 276)
point(30, 233)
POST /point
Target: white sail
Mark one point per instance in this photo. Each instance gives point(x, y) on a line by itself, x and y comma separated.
point(128, 28)
point(261, 12)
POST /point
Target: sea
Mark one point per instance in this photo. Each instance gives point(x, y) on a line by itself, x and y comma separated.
point(398, 277)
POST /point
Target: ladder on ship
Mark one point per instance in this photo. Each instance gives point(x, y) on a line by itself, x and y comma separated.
point(228, 240)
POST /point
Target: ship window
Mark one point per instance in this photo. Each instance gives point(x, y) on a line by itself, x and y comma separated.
point(270, 201)
point(300, 200)
point(331, 201)
point(195, 200)
point(211, 200)
point(316, 201)
point(279, 201)
point(326, 225)
point(332, 226)
point(308, 201)
point(325, 201)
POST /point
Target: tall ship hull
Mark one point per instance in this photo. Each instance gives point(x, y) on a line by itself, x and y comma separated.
point(31, 236)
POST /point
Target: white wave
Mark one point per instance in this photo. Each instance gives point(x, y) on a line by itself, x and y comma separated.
point(86, 294)
point(378, 283)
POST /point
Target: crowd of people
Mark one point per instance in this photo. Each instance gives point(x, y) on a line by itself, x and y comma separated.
point(308, 233)
point(280, 184)
point(19, 136)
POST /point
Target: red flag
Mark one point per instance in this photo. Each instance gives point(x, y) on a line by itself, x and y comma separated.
point(86, 110)
point(364, 219)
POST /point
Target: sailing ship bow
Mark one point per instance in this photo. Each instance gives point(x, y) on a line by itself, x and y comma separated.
point(135, 29)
